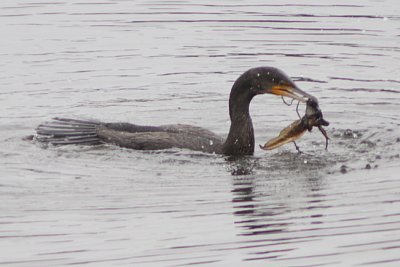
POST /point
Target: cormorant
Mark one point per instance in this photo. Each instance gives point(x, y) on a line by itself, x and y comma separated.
point(240, 140)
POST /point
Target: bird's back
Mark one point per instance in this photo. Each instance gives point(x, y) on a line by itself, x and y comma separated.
point(62, 131)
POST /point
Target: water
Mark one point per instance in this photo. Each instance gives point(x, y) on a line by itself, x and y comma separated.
point(156, 62)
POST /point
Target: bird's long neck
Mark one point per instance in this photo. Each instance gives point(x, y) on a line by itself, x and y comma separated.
point(240, 140)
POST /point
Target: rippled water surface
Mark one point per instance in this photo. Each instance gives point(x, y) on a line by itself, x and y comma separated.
point(157, 62)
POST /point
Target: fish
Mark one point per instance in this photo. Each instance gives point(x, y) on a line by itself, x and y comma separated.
point(313, 118)
point(289, 134)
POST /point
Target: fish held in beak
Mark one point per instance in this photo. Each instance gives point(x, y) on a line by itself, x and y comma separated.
point(312, 118)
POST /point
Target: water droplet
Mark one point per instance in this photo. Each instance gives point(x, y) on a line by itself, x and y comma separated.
point(258, 74)
point(211, 142)
point(343, 169)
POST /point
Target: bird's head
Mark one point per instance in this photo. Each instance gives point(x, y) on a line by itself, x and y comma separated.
point(269, 80)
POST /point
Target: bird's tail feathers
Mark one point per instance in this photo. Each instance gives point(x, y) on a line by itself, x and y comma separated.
point(62, 131)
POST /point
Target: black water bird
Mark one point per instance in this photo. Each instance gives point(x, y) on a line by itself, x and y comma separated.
point(240, 140)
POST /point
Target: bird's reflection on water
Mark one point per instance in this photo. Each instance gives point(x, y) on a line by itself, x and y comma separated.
point(267, 206)
point(266, 201)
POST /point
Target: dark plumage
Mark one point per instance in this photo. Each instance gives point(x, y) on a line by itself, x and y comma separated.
point(240, 140)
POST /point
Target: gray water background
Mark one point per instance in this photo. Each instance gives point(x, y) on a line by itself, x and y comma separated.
point(157, 62)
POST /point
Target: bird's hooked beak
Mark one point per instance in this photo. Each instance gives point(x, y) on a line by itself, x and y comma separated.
point(291, 91)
